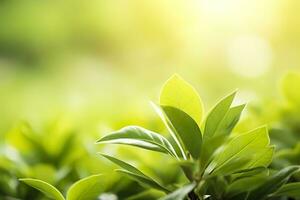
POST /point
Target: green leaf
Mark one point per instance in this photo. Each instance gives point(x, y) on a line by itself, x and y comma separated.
point(248, 147)
point(87, 189)
point(263, 158)
point(143, 180)
point(181, 193)
point(250, 172)
point(230, 120)
point(290, 190)
point(245, 184)
point(273, 183)
point(124, 165)
point(186, 130)
point(217, 114)
point(147, 195)
point(179, 94)
point(140, 137)
point(177, 144)
point(236, 164)
point(188, 167)
point(211, 144)
point(240, 196)
point(47, 189)
point(215, 187)
point(134, 173)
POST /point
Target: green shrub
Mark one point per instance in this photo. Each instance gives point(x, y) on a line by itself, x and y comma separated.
point(217, 164)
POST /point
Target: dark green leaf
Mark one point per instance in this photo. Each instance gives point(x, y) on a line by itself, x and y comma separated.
point(176, 143)
point(147, 195)
point(273, 183)
point(186, 130)
point(245, 184)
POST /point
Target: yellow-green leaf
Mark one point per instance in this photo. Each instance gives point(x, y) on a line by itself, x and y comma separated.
point(217, 114)
point(87, 189)
point(135, 173)
point(291, 190)
point(47, 189)
point(179, 94)
point(245, 149)
point(262, 158)
point(225, 126)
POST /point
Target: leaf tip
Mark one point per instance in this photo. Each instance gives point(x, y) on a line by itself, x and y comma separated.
point(175, 76)
point(233, 93)
point(103, 155)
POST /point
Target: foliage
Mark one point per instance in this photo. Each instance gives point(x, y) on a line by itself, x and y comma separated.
point(216, 163)
point(215, 160)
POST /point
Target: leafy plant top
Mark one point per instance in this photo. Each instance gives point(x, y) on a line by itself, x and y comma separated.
point(218, 164)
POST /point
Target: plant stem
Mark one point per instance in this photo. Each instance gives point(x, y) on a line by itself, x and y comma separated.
point(192, 196)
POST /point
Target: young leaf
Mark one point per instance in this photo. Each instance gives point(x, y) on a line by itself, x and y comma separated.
point(245, 146)
point(186, 130)
point(290, 190)
point(134, 173)
point(87, 189)
point(230, 120)
point(140, 137)
point(273, 183)
point(211, 144)
point(183, 107)
point(216, 115)
point(47, 189)
point(181, 193)
point(179, 94)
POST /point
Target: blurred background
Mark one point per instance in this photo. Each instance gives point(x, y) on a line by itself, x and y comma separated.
point(88, 67)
